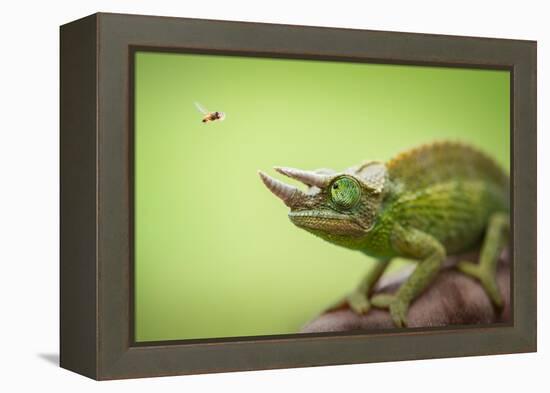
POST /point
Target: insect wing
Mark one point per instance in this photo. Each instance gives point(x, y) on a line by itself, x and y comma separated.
point(201, 109)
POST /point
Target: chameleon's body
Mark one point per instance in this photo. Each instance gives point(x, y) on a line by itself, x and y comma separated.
point(426, 203)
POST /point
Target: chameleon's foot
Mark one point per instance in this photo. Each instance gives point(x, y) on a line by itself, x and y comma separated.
point(398, 308)
point(398, 311)
point(382, 300)
point(486, 270)
point(486, 278)
point(358, 302)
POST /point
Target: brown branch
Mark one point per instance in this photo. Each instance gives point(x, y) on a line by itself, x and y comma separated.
point(452, 299)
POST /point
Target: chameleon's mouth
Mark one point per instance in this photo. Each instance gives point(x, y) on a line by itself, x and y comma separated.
point(326, 221)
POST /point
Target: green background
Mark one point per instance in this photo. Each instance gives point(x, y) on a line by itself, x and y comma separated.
point(215, 254)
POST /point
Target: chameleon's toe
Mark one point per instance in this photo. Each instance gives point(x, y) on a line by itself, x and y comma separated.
point(469, 268)
point(358, 302)
point(486, 278)
point(382, 300)
point(398, 312)
point(398, 308)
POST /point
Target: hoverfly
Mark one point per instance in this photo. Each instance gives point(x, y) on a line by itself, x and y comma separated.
point(209, 116)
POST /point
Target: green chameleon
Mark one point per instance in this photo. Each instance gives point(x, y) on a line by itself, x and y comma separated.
point(437, 199)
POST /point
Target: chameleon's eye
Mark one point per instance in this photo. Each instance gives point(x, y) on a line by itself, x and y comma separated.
point(345, 192)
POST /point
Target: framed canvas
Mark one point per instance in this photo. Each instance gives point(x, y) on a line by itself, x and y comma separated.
point(406, 164)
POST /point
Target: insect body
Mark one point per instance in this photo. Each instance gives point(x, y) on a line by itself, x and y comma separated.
point(209, 116)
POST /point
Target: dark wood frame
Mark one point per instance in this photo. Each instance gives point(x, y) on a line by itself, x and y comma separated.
point(97, 195)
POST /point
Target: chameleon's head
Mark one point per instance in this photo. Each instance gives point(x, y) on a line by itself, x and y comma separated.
point(338, 207)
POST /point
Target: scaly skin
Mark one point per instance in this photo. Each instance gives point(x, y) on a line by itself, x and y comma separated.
point(431, 201)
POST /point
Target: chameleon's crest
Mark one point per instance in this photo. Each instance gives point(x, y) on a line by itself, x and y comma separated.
point(373, 174)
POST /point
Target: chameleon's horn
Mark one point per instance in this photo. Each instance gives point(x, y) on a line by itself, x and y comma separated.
point(306, 177)
point(280, 189)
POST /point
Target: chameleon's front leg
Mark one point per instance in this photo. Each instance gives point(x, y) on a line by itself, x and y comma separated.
point(358, 300)
point(415, 244)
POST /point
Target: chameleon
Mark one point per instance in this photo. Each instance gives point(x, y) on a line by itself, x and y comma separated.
point(431, 201)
